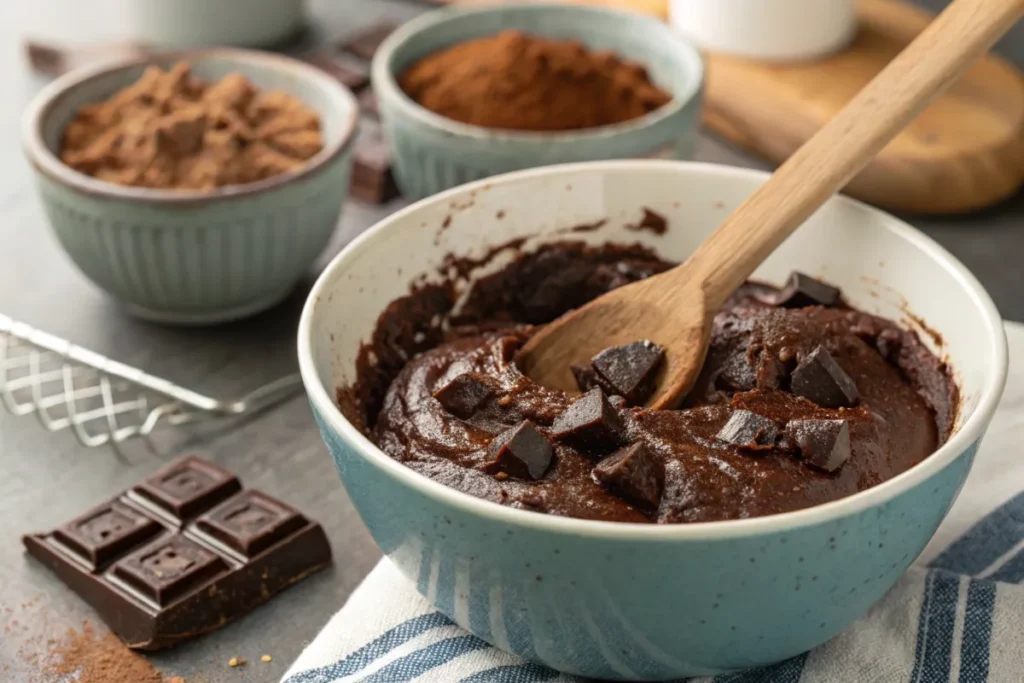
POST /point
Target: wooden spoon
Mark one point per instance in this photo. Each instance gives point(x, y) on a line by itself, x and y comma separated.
point(675, 309)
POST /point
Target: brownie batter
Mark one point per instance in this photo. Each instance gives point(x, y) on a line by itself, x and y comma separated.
point(903, 409)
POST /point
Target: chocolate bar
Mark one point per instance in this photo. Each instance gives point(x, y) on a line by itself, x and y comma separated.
point(182, 553)
point(372, 179)
point(365, 43)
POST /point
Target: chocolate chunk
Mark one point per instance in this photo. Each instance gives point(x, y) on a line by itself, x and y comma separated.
point(819, 378)
point(586, 378)
point(521, 452)
point(802, 290)
point(464, 395)
point(369, 105)
point(825, 444)
point(629, 369)
point(365, 43)
point(635, 474)
point(157, 578)
point(372, 178)
point(347, 71)
point(749, 431)
point(617, 401)
point(590, 424)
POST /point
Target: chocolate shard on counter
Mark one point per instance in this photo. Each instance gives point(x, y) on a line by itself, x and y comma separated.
point(590, 425)
point(824, 444)
point(347, 71)
point(749, 431)
point(802, 290)
point(635, 474)
point(464, 395)
point(182, 553)
point(372, 177)
point(819, 379)
point(629, 370)
point(521, 452)
point(365, 43)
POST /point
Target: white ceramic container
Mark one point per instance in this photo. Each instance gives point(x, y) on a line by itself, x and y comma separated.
point(773, 30)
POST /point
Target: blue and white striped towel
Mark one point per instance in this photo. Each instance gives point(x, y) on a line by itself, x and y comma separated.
point(956, 616)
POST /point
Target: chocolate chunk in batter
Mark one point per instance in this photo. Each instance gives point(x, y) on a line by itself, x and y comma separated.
point(629, 369)
point(635, 474)
point(825, 444)
point(802, 290)
point(819, 378)
point(521, 452)
point(749, 431)
point(590, 424)
point(464, 395)
point(586, 377)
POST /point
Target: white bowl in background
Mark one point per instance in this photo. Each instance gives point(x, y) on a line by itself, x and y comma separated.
point(773, 30)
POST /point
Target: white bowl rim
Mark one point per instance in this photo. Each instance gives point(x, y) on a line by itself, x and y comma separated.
point(962, 438)
point(49, 164)
point(386, 85)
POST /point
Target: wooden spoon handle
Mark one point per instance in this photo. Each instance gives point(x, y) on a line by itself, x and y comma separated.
point(826, 162)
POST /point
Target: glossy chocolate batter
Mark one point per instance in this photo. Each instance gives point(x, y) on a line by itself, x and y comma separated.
point(905, 409)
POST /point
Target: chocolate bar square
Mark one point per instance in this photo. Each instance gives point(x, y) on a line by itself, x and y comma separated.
point(106, 532)
point(168, 568)
point(187, 487)
point(251, 522)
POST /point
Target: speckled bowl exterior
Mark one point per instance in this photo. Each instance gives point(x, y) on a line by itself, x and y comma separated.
point(636, 601)
point(433, 153)
point(189, 257)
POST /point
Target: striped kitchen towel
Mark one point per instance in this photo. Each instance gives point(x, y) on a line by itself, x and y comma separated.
point(956, 616)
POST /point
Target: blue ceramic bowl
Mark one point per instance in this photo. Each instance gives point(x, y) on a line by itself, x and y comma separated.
point(189, 256)
point(634, 601)
point(434, 153)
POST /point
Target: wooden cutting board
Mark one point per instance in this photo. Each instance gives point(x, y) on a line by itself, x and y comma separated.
point(965, 152)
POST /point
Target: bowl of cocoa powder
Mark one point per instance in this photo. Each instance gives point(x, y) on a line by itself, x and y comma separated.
point(193, 187)
point(470, 92)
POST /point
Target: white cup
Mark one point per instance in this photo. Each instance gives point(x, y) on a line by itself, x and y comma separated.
point(772, 30)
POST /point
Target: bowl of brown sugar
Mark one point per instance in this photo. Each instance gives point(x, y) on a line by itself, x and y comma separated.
point(194, 188)
point(470, 92)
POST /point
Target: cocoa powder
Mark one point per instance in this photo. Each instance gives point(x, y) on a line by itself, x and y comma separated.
point(517, 81)
point(172, 130)
point(88, 657)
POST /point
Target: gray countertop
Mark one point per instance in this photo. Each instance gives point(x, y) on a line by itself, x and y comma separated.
point(46, 479)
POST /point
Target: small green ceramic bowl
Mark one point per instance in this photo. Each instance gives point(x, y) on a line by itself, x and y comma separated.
point(195, 257)
point(434, 153)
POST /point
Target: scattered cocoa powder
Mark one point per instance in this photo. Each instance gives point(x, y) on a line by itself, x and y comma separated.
point(522, 82)
point(85, 656)
point(172, 130)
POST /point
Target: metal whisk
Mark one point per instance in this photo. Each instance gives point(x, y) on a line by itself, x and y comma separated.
point(101, 400)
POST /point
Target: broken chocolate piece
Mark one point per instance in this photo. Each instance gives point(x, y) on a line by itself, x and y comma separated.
point(629, 369)
point(802, 290)
point(157, 578)
point(825, 444)
point(590, 424)
point(347, 71)
point(372, 178)
point(819, 378)
point(368, 104)
point(521, 452)
point(586, 378)
point(365, 43)
point(635, 474)
point(749, 430)
point(464, 395)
